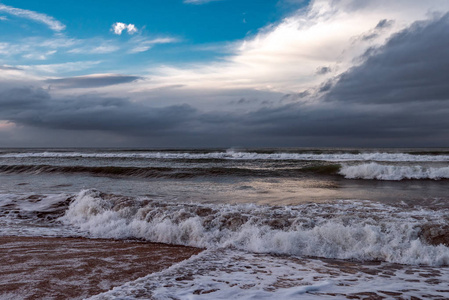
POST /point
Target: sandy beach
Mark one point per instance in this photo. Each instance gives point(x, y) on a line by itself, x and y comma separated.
point(75, 268)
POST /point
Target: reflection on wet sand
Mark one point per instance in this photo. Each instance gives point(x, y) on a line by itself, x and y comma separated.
point(75, 268)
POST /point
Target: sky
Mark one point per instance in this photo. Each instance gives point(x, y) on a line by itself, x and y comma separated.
point(224, 73)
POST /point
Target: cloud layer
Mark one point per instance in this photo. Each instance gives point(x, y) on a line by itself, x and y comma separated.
point(339, 73)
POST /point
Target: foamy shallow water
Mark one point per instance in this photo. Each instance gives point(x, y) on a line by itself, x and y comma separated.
point(227, 274)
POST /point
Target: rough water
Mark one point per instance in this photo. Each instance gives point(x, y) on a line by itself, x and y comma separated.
point(319, 223)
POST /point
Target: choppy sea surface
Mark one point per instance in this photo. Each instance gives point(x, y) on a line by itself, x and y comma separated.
point(286, 223)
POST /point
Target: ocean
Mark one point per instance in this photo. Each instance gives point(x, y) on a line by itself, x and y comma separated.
point(286, 223)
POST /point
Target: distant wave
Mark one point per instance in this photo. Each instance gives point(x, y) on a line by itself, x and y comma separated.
point(175, 173)
point(393, 172)
point(345, 230)
point(231, 155)
point(368, 171)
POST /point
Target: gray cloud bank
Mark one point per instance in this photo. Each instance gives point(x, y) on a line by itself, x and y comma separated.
point(91, 81)
point(35, 107)
point(399, 96)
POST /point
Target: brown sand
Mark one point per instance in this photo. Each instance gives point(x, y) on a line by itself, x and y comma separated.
point(62, 268)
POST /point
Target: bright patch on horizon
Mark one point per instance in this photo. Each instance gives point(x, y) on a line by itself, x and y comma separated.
point(6, 125)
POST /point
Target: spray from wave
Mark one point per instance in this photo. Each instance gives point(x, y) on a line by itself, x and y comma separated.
point(345, 230)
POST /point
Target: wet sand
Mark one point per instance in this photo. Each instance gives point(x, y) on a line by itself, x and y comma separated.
point(75, 268)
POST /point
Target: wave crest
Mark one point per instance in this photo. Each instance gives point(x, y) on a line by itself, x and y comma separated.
point(345, 230)
point(393, 172)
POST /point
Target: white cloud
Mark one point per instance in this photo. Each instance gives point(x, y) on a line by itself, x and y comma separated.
point(51, 22)
point(8, 49)
point(144, 44)
point(3, 18)
point(35, 47)
point(134, 45)
point(10, 75)
point(39, 56)
point(197, 2)
point(59, 68)
point(131, 29)
point(284, 57)
point(119, 27)
point(54, 43)
point(95, 49)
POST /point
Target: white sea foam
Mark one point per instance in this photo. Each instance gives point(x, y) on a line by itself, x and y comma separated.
point(345, 230)
point(234, 155)
point(393, 172)
point(227, 274)
point(222, 275)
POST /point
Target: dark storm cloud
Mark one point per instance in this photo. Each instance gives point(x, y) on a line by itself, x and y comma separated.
point(20, 99)
point(397, 97)
point(36, 108)
point(90, 81)
point(412, 66)
point(334, 122)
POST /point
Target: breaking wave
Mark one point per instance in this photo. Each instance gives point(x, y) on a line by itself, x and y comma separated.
point(358, 230)
point(234, 155)
point(393, 172)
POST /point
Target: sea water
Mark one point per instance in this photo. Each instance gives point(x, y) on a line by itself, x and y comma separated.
point(320, 223)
